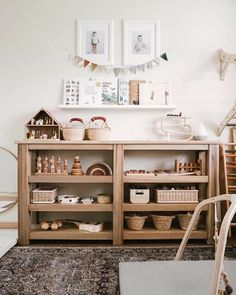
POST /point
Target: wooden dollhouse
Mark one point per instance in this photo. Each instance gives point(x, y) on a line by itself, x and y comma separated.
point(43, 126)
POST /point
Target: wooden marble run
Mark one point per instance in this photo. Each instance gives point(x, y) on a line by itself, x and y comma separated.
point(225, 60)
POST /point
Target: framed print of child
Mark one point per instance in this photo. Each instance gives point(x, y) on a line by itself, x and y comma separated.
point(140, 47)
point(94, 42)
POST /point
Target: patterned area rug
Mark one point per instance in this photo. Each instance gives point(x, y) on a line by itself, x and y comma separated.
point(83, 271)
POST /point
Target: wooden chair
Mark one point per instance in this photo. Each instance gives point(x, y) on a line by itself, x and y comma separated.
point(184, 277)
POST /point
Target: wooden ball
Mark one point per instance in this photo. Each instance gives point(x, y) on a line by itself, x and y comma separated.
point(54, 226)
point(229, 290)
point(44, 225)
point(58, 222)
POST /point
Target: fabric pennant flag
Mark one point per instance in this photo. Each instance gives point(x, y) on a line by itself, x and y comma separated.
point(86, 62)
point(94, 66)
point(78, 59)
point(117, 71)
point(133, 70)
point(164, 56)
point(149, 65)
point(156, 61)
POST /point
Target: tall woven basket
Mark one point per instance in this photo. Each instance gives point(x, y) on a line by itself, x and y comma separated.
point(135, 222)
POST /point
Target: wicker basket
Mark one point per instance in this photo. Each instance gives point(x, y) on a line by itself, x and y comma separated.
point(73, 131)
point(184, 220)
point(44, 195)
point(98, 133)
point(162, 222)
point(135, 222)
point(104, 199)
point(177, 196)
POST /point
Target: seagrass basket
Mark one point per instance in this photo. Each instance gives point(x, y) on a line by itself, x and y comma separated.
point(162, 222)
point(184, 220)
point(135, 222)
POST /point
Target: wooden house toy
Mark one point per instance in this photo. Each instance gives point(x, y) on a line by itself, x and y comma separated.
point(43, 126)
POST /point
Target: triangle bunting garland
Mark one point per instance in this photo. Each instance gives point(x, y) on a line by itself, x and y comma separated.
point(78, 60)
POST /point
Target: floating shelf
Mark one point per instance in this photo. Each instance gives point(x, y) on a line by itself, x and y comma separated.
point(69, 179)
point(165, 179)
point(118, 107)
point(71, 208)
point(153, 234)
point(159, 207)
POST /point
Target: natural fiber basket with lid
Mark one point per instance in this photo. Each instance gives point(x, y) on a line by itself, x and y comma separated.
point(184, 220)
point(98, 132)
point(135, 222)
point(162, 222)
point(75, 130)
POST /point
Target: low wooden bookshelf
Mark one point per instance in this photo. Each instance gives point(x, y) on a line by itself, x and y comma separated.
point(119, 152)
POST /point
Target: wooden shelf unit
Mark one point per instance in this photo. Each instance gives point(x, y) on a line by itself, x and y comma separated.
point(208, 152)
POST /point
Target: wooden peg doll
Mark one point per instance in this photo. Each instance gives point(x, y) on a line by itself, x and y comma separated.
point(65, 166)
point(39, 164)
point(52, 164)
point(45, 165)
point(59, 170)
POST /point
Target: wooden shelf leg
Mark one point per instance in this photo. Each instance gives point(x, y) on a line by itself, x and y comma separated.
point(23, 195)
point(118, 194)
point(213, 187)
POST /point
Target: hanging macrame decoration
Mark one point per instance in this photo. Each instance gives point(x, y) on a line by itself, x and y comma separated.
point(78, 60)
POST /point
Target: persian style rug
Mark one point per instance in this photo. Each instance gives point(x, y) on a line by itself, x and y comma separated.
point(79, 270)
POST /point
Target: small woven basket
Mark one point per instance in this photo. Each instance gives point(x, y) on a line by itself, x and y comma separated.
point(184, 220)
point(135, 222)
point(162, 222)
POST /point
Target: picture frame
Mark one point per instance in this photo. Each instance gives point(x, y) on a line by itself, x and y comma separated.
point(94, 41)
point(141, 41)
point(154, 93)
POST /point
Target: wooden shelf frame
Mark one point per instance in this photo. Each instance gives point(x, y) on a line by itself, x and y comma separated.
point(208, 152)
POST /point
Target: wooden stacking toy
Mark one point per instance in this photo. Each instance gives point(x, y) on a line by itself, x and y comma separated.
point(76, 168)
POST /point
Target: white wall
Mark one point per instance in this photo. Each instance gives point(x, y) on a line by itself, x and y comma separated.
point(37, 36)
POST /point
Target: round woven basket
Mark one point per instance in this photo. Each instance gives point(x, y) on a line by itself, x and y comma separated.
point(162, 222)
point(135, 222)
point(184, 220)
point(104, 199)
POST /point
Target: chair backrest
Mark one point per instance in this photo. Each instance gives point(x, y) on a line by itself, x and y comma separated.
point(220, 251)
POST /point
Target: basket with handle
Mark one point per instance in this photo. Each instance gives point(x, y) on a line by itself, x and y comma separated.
point(162, 222)
point(75, 130)
point(184, 220)
point(98, 131)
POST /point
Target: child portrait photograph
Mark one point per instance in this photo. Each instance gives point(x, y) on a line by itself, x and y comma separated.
point(141, 41)
point(95, 41)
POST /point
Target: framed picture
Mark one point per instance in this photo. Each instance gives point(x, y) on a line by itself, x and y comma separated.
point(71, 92)
point(153, 93)
point(109, 91)
point(141, 41)
point(90, 92)
point(95, 41)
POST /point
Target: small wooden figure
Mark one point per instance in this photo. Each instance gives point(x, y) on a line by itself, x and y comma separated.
point(52, 164)
point(32, 134)
point(65, 166)
point(39, 164)
point(45, 165)
point(59, 170)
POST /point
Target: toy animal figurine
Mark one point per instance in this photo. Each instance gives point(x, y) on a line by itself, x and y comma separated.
point(39, 122)
point(44, 136)
point(32, 134)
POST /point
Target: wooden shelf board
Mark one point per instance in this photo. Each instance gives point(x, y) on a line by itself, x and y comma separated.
point(70, 233)
point(80, 145)
point(70, 179)
point(233, 224)
point(159, 207)
point(165, 146)
point(71, 208)
point(153, 234)
point(166, 179)
point(119, 107)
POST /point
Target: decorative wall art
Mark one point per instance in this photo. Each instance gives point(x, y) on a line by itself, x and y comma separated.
point(141, 41)
point(71, 92)
point(123, 91)
point(153, 93)
point(95, 41)
point(109, 91)
point(90, 92)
